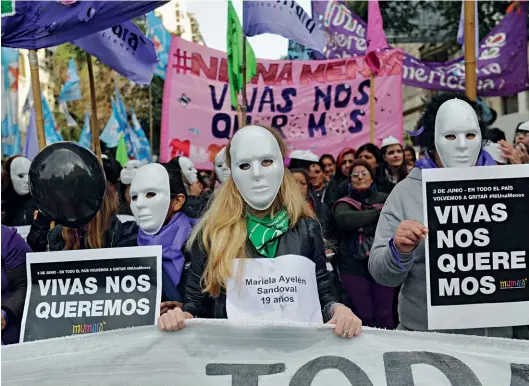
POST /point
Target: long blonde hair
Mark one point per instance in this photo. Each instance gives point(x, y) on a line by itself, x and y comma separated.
point(97, 227)
point(222, 230)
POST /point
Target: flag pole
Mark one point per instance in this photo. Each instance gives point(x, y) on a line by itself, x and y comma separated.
point(150, 121)
point(35, 85)
point(242, 122)
point(470, 49)
point(372, 109)
point(94, 129)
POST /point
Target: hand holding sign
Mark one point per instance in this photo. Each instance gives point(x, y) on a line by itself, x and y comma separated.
point(408, 235)
point(173, 320)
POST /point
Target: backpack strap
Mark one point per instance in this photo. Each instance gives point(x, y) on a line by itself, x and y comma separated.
point(355, 204)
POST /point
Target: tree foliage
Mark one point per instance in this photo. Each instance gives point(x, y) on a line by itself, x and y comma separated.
point(429, 21)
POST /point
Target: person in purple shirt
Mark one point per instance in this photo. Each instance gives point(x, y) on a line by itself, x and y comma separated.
point(14, 283)
point(158, 196)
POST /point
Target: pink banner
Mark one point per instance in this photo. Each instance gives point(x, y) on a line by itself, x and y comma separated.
point(322, 106)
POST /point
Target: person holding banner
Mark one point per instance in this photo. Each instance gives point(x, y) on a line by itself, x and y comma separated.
point(451, 131)
point(157, 196)
point(258, 251)
point(18, 207)
point(14, 283)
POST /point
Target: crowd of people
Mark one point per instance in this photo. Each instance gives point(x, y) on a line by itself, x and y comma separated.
point(358, 217)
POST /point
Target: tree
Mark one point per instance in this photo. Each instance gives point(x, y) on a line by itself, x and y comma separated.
point(429, 21)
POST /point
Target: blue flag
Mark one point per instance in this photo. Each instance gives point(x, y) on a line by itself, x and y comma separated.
point(143, 149)
point(41, 24)
point(50, 126)
point(71, 90)
point(284, 18)
point(111, 132)
point(85, 139)
point(31, 147)
point(162, 42)
point(125, 49)
point(118, 107)
point(9, 96)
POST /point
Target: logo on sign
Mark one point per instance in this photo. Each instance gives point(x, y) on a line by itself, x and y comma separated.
point(125, 38)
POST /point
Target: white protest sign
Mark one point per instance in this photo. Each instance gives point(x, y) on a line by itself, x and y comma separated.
point(92, 290)
point(223, 353)
point(280, 289)
point(477, 264)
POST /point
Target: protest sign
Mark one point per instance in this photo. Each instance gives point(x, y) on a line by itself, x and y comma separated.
point(283, 288)
point(322, 106)
point(477, 246)
point(93, 290)
point(222, 353)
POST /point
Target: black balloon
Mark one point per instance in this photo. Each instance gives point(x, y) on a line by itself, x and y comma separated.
point(68, 183)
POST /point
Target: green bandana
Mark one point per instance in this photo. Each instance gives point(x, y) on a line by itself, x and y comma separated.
point(264, 233)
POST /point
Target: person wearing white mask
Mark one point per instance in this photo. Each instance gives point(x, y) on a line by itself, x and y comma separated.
point(259, 221)
point(125, 177)
point(197, 199)
point(18, 207)
point(451, 131)
point(222, 171)
point(157, 200)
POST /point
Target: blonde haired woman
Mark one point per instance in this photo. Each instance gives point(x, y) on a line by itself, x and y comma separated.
point(259, 219)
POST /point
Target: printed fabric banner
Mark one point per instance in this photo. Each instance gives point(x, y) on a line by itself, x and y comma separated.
point(89, 291)
point(502, 64)
point(322, 106)
point(125, 49)
point(222, 353)
point(476, 251)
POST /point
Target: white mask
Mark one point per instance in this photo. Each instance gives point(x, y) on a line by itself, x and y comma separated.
point(150, 197)
point(257, 166)
point(20, 175)
point(128, 172)
point(188, 170)
point(457, 134)
point(222, 170)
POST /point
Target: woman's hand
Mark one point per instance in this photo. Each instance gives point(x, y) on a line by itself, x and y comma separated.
point(4, 322)
point(195, 189)
point(167, 306)
point(347, 323)
point(173, 320)
point(408, 235)
point(510, 153)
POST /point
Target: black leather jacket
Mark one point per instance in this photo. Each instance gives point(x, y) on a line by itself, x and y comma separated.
point(305, 239)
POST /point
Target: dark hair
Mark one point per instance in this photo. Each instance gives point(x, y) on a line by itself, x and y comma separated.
point(175, 162)
point(495, 135)
point(315, 164)
point(302, 171)
point(409, 148)
point(112, 170)
point(329, 156)
point(427, 138)
point(176, 182)
point(370, 148)
point(361, 162)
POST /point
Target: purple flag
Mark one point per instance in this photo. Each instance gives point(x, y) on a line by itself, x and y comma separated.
point(125, 49)
point(502, 64)
point(285, 18)
point(31, 147)
point(40, 24)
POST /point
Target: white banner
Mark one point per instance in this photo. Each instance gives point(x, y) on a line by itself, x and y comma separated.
point(219, 352)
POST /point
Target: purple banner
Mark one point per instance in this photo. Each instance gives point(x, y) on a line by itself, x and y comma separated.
point(502, 64)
